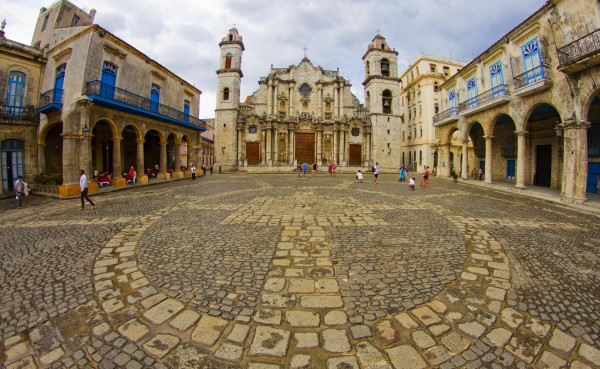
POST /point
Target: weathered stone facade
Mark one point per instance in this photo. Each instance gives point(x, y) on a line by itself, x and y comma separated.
point(304, 113)
point(20, 70)
point(538, 121)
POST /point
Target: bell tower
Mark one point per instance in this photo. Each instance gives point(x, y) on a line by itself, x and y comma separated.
point(229, 77)
point(382, 100)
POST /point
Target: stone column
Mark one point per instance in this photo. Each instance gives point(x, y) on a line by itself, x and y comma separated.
point(263, 146)
point(335, 143)
point(269, 145)
point(521, 159)
point(445, 154)
point(465, 161)
point(343, 145)
point(163, 158)
point(290, 147)
point(239, 153)
point(116, 159)
point(488, 159)
point(270, 98)
point(275, 146)
point(84, 143)
point(575, 164)
point(368, 151)
point(139, 164)
point(41, 154)
point(177, 170)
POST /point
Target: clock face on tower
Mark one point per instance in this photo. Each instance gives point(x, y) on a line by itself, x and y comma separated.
point(305, 89)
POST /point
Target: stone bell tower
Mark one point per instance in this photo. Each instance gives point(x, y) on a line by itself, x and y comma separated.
point(229, 77)
point(382, 100)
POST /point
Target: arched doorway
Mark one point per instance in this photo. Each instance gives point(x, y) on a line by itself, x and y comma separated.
point(455, 152)
point(102, 147)
point(476, 164)
point(544, 147)
point(12, 162)
point(54, 149)
point(504, 149)
point(593, 140)
point(151, 152)
point(129, 147)
point(171, 151)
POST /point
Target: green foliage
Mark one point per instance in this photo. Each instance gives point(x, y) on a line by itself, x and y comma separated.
point(48, 179)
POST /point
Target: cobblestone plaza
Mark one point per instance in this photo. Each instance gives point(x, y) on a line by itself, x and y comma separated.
point(276, 271)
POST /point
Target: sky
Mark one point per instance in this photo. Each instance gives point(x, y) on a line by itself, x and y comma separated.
point(183, 35)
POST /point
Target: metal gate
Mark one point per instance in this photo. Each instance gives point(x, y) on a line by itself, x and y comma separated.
point(305, 147)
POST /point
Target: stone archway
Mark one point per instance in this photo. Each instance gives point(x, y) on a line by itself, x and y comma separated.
point(593, 145)
point(50, 137)
point(544, 148)
point(504, 149)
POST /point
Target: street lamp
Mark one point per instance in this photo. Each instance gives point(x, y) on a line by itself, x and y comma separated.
point(558, 129)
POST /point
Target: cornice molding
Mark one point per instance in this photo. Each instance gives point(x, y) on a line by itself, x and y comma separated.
point(114, 51)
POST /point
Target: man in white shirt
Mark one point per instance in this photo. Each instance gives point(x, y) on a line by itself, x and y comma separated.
point(84, 190)
point(193, 170)
point(376, 171)
point(20, 190)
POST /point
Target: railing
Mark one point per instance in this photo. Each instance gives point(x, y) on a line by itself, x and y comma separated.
point(18, 112)
point(482, 98)
point(508, 152)
point(533, 75)
point(51, 97)
point(129, 98)
point(580, 48)
point(445, 114)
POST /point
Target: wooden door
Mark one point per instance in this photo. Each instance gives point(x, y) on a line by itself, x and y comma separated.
point(305, 147)
point(355, 155)
point(543, 165)
point(252, 153)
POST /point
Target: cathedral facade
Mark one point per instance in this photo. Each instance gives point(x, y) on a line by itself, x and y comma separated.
point(307, 114)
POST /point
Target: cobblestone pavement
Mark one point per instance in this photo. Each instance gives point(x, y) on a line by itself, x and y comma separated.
point(275, 271)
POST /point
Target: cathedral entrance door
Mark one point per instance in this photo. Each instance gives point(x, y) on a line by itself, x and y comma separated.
point(355, 155)
point(252, 153)
point(305, 147)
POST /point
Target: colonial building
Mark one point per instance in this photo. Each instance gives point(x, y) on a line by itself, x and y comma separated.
point(20, 71)
point(208, 144)
point(420, 101)
point(304, 113)
point(530, 103)
point(107, 106)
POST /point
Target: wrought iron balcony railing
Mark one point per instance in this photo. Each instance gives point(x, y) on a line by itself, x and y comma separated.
point(508, 152)
point(51, 97)
point(482, 98)
point(445, 114)
point(18, 113)
point(121, 96)
point(536, 74)
point(580, 48)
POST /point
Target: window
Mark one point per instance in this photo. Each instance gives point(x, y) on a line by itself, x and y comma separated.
point(154, 97)
point(385, 67)
point(45, 22)
point(532, 60)
point(282, 106)
point(452, 102)
point(355, 132)
point(421, 131)
point(593, 134)
point(227, 61)
point(75, 21)
point(252, 130)
point(447, 71)
point(433, 68)
point(497, 79)
point(367, 71)
point(436, 108)
point(305, 89)
point(186, 111)
point(226, 93)
point(436, 86)
point(108, 79)
point(59, 82)
point(472, 92)
point(16, 89)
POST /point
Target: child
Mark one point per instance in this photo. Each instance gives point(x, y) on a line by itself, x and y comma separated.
point(359, 176)
point(412, 183)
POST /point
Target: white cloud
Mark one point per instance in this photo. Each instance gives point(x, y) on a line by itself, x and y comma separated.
point(184, 35)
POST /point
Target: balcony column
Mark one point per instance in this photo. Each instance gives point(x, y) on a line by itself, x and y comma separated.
point(575, 160)
point(139, 163)
point(163, 159)
point(521, 159)
point(465, 161)
point(488, 159)
point(116, 159)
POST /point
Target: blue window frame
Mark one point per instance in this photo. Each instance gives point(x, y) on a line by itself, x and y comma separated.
point(12, 162)
point(497, 79)
point(59, 81)
point(108, 79)
point(510, 169)
point(186, 111)
point(154, 97)
point(452, 102)
point(532, 61)
point(472, 92)
point(16, 89)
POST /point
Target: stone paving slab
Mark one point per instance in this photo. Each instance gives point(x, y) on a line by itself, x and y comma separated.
point(274, 272)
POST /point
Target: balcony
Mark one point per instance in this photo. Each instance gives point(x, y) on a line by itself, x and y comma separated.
point(18, 113)
point(496, 96)
point(50, 101)
point(508, 152)
point(116, 98)
point(581, 53)
point(446, 116)
point(534, 80)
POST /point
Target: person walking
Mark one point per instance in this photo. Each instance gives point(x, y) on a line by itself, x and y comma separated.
point(26, 191)
point(130, 174)
point(84, 190)
point(304, 169)
point(203, 170)
point(20, 191)
point(299, 169)
point(403, 171)
point(376, 171)
point(193, 170)
point(314, 169)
